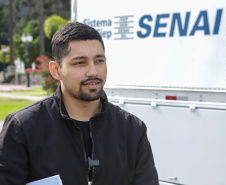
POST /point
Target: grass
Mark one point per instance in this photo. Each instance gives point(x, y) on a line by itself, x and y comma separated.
point(8, 105)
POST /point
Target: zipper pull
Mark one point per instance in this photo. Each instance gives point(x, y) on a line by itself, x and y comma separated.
point(89, 183)
point(92, 163)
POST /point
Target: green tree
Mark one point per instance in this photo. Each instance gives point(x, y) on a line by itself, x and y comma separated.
point(18, 47)
point(23, 12)
point(19, 51)
point(4, 37)
point(52, 24)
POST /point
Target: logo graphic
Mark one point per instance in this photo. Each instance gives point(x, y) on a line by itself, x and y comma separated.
point(124, 27)
point(159, 25)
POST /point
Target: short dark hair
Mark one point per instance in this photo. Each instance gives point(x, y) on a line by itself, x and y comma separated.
point(69, 32)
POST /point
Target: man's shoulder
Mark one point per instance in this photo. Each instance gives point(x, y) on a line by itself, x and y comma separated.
point(125, 117)
point(33, 111)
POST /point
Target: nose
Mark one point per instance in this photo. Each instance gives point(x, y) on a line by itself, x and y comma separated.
point(92, 70)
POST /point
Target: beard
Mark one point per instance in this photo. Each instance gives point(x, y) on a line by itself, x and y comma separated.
point(88, 96)
point(92, 94)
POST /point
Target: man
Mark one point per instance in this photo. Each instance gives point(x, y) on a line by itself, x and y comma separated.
point(76, 133)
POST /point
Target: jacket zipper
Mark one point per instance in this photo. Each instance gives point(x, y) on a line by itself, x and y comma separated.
point(91, 136)
point(84, 152)
point(85, 157)
point(94, 162)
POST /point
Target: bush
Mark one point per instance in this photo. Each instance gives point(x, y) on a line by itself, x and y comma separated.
point(49, 83)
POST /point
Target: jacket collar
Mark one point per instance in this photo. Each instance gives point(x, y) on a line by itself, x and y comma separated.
point(63, 111)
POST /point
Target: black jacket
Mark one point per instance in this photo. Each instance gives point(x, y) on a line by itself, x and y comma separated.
point(40, 140)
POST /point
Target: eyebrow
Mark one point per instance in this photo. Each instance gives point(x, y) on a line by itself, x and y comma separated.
point(101, 55)
point(84, 57)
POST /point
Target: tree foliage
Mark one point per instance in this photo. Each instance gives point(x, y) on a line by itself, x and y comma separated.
point(52, 24)
point(25, 20)
point(27, 10)
point(19, 49)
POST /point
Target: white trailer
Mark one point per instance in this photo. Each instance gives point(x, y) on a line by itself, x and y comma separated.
point(167, 65)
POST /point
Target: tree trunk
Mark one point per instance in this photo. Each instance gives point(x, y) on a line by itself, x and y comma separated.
point(11, 31)
point(41, 30)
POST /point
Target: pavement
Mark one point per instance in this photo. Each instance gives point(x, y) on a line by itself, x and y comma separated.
point(18, 96)
point(9, 88)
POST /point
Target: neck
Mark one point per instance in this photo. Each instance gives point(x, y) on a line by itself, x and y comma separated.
point(81, 110)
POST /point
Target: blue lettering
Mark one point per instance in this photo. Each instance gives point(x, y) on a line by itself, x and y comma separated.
point(160, 25)
point(205, 27)
point(217, 22)
point(145, 26)
point(105, 34)
point(97, 23)
point(177, 18)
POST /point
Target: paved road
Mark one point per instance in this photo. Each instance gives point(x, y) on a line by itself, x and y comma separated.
point(18, 96)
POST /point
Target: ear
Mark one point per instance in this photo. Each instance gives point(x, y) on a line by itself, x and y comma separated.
point(54, 69)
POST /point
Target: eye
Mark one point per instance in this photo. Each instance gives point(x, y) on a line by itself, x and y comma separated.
point(100, 61)
point(79, 63)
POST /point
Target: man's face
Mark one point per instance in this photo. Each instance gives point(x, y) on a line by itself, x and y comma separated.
point(83, 71)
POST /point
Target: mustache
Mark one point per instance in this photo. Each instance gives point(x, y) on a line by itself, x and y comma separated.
point(89, 79)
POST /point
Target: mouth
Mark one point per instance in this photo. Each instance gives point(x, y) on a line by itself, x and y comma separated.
point(92, 84)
